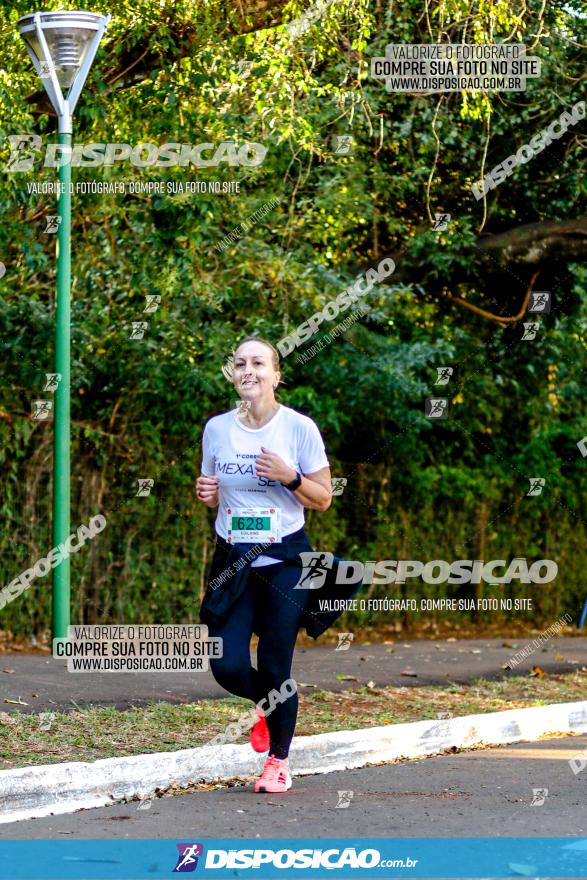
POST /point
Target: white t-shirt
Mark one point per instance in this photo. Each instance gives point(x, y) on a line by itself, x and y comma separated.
point(229, 450)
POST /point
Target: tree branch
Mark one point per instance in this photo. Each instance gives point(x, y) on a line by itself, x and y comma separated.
point(501, 320)
point(535, 244)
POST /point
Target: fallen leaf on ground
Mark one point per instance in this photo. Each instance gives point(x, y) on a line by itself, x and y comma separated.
point(18, 702)
point(342, 677)
point(409, 672)
point(5, 718)
point(537, 671)
point(9, 671)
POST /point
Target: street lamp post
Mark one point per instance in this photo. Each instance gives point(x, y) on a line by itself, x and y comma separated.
point(62, 47)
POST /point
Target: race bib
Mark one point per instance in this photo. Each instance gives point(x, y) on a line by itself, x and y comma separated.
point(253, 525)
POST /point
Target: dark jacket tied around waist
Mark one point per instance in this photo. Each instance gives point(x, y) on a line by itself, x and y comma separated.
point(231, 566)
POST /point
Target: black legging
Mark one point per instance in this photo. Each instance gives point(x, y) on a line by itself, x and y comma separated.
point(271, 607)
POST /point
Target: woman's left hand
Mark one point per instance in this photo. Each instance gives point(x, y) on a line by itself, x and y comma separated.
point(271, 466)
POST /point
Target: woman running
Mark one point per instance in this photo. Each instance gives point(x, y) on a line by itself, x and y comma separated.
point(262, 464)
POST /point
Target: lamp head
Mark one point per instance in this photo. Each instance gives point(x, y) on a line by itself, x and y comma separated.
point(68, 36)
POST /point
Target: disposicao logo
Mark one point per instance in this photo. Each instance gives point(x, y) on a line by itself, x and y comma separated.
point(187, 859)
point(25, 147)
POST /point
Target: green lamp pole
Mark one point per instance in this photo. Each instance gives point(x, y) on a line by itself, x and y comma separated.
point(62, 47)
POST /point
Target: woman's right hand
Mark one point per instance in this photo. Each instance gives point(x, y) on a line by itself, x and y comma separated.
point(207, 491)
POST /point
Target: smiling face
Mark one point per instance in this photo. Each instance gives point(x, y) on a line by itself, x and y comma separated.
point(254, 374)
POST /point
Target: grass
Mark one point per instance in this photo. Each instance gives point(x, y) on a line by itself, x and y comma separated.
point(99, 732)
point(411, 628)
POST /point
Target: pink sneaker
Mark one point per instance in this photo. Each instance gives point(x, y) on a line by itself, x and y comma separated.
point(259, 736)
point(275, 776)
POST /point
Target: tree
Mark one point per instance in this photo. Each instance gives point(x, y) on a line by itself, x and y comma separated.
point(302, 226)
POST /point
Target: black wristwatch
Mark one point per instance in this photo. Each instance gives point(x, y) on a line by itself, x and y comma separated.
point(295, 483)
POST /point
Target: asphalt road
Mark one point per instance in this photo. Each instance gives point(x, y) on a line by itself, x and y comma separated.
point(485, 793)
point(42, 683)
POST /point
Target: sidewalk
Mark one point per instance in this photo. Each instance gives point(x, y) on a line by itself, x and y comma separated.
point(43, 684)
point(487, 792)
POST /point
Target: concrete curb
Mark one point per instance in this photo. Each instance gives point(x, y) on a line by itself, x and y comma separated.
point(34, 792)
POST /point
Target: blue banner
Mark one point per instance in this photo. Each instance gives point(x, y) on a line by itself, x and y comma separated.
point(544, 857)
